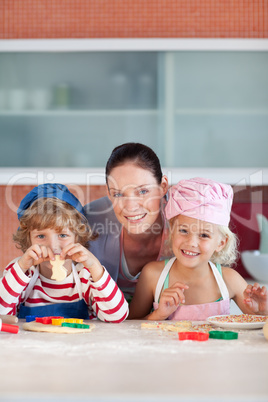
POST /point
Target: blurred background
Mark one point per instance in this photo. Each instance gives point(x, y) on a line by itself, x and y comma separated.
point(187, 78)
point(194, 108)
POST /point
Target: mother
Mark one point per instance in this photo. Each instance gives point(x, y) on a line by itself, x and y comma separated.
point(130, 221)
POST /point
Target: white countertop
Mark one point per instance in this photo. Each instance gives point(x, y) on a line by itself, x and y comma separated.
point(122, 362)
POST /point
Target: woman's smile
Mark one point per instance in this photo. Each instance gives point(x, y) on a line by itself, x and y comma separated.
point(135, 218)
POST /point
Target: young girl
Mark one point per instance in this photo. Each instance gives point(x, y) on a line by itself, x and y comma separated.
point(193, 285)
point(52, 222)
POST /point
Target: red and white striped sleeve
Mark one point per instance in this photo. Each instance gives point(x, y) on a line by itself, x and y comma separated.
point(107, 300)
point(12, 284)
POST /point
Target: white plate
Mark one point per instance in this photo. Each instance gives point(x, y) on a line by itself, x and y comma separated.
point(242, 321)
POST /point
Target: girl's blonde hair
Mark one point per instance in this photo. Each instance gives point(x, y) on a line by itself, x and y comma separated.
point(228, 255)
point(52, 213)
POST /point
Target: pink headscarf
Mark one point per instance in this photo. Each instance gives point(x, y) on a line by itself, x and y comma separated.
point(202, 199)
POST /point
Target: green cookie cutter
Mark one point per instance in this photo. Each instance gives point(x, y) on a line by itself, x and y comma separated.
point(223, 335)
point(73, 325)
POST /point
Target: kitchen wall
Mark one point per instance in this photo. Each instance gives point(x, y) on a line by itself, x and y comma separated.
point(133, 19)
point(30, 19)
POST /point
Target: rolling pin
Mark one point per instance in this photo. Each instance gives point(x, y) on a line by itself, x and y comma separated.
point(9, 319)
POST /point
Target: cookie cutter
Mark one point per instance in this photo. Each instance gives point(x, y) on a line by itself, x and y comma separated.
point(60, 320)
point(30, 318)
point(46, 320)
point(193, 336)
point(227, 335)
point(75, 325)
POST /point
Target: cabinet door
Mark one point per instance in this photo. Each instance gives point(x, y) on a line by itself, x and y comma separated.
point(71, 109)
point(220, 102)
point(194, 108)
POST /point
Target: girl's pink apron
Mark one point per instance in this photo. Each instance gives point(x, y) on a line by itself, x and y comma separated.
point(196, 312)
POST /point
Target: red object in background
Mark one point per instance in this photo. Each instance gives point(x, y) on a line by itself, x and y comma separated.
point(244, 224)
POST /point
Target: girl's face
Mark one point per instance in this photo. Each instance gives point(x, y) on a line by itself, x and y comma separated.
point(50, 238)
point(195, 241)
point(136, 197)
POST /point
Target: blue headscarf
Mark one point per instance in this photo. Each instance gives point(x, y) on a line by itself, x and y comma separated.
point(49, 190)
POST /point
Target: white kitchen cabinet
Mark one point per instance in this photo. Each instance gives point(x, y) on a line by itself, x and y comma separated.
point(68, 106)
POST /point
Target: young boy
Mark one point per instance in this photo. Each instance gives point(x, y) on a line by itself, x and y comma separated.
point(53, 227)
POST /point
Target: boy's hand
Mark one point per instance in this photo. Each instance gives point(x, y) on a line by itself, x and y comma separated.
point(169, 301)
point(35, 255)
point(78, 253)
point(256, 299)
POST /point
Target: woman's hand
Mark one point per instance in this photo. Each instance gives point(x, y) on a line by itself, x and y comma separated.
point(256, 299)
point(169, 301)
point(35, 255)
point(79, 253)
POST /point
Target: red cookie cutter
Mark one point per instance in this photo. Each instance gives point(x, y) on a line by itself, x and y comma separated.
point(193, 336)
point(45, 320)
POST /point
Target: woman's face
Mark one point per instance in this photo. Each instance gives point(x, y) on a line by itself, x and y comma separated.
point(136, 197)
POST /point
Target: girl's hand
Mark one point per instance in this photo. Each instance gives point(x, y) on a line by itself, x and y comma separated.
point(78, 253)
point(170, 300)
point(35, 255)
point(256, 299)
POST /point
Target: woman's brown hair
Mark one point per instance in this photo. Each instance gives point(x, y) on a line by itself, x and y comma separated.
point(137, 153)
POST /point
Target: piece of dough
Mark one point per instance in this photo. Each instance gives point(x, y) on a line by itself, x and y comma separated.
point(39, 327)
point(265, 330)
point(178, 326)
point(59, 272)
point(151, 325)
point(203, 327)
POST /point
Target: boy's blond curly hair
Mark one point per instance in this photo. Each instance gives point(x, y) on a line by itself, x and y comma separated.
point(52, 213)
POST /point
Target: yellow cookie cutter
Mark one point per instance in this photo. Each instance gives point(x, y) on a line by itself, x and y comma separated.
point(59, 321)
